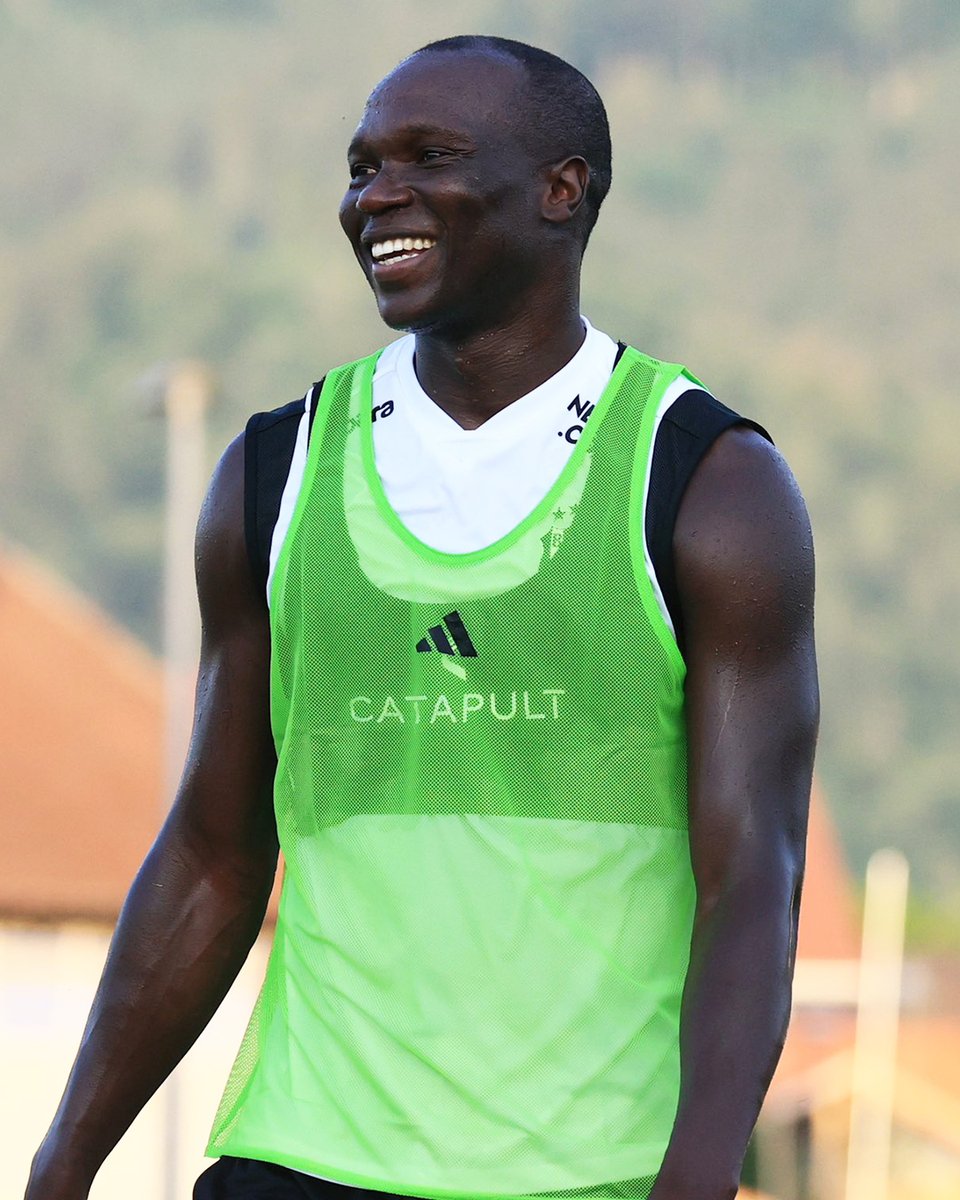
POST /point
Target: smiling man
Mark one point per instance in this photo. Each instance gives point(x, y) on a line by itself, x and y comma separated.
point(508, 645)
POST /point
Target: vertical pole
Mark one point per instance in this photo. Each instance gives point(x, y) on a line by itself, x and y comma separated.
point(878, 1019)
point(186, 398)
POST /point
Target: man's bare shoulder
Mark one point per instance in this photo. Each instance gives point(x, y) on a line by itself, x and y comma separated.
point(743, 535)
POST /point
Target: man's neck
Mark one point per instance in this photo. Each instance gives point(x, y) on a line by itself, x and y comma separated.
point(472, 378)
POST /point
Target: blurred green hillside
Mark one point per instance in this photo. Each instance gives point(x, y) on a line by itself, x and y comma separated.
point(784, 219)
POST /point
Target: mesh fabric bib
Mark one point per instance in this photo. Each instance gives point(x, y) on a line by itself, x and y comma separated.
point(475, 983)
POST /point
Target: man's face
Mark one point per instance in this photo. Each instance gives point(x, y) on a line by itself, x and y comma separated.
point(443, 206)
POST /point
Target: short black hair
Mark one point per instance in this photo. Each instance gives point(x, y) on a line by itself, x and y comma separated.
point(567, 116)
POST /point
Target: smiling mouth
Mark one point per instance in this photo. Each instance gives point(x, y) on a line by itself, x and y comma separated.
point(399, 249)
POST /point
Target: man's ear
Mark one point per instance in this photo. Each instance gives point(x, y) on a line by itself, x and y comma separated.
point(566, 188)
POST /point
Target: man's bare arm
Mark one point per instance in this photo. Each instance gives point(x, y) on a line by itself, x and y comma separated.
point(198, 901)
point(744, 561)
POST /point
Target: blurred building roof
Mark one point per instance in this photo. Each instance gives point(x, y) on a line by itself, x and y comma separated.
point(81, 727)
point(816, 1073)
point(829, 926)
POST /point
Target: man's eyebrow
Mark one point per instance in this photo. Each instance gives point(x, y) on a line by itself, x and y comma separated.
point(436, 131)
point(362, 141)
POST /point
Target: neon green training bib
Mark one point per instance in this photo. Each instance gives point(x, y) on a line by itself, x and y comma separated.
point(474, 989)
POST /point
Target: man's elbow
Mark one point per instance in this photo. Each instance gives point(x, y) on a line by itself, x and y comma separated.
point(757, 888)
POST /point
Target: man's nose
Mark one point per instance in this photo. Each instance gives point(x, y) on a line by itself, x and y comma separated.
point(387, 189)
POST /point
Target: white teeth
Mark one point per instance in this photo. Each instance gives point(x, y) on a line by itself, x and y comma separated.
point(400, 246)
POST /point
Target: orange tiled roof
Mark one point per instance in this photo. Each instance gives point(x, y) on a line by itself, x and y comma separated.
point(828, 925)
point(80, 750)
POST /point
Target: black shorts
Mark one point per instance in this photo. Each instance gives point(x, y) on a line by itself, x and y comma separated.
point(248, 1179)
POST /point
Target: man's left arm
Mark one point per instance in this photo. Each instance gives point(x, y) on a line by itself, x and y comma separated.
point(744, 563)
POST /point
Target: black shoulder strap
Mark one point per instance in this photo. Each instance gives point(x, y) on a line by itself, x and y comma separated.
point(687, 431)
point(268, 447)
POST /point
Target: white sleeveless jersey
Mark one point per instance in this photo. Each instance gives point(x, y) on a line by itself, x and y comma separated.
point(459, 489)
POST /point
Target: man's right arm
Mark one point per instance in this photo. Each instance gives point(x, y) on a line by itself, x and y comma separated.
point(198, 902)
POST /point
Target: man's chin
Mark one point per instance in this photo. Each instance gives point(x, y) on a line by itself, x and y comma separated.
point(406, 318)
point(409, 314)
point(395, 314)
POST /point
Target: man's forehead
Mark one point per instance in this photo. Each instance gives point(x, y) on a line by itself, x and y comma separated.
point(447, 90)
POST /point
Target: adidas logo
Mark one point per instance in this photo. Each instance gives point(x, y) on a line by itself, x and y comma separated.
point(438, 638)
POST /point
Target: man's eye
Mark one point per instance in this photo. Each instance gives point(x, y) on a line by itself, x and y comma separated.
point(361, 170)
point(433, 154)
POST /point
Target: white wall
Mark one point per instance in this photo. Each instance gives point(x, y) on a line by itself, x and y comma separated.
point(47, 980)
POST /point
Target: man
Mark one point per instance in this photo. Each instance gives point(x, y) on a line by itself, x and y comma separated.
point(539, 665)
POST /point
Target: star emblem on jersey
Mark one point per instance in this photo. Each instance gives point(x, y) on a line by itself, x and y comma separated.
point(449, 638)
point(562, 520)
